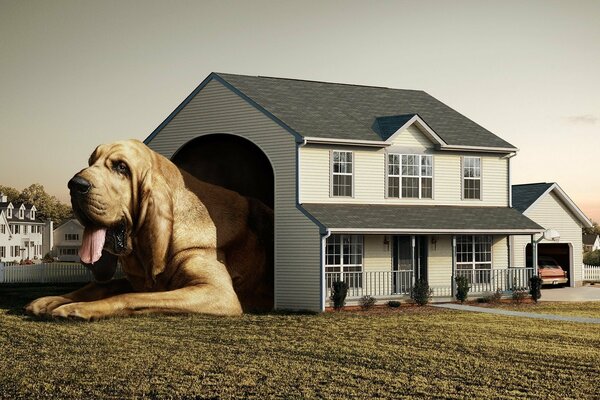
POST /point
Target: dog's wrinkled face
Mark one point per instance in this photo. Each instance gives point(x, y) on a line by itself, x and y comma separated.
point(104, 197)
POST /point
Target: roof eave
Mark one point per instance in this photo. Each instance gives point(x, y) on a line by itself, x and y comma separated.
point(387, 231)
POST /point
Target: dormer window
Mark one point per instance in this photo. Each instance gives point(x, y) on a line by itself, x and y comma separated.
point(32, 213)
point(9, 211)
point(22, 212)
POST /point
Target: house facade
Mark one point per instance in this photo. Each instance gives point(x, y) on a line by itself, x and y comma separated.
point(549, 206)
point(374, 186)
point(21, 232)
point(591, 242)
point(67, 241)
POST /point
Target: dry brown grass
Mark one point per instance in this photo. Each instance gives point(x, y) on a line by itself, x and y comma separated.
point(397, 354)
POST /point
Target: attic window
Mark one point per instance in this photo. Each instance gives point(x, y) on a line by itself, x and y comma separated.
point(9, 212)
point(32, 214)
point(21, 213)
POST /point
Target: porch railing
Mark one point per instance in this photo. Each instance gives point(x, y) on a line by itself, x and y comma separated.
point(491, 280)
point(399, 283)
point(373, 283)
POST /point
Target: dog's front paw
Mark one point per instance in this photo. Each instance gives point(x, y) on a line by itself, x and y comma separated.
point(77, 311)
point(45, 305)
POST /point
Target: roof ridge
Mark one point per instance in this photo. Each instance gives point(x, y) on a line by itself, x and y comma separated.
point(323, 82)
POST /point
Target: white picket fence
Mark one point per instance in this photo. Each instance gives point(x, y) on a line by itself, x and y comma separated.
point(46, 273)
point(591, 273)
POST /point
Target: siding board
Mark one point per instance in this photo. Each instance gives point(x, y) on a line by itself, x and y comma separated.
point(216, 109)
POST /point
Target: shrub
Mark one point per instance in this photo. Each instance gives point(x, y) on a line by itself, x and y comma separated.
point(492, 297)
point(393, 303)
point(535, 282)
point(339, 290)
point(462, 288)
point(367, 302)
point(420, 292)
point(519, 294)
point(48, 258)
point(592, 258)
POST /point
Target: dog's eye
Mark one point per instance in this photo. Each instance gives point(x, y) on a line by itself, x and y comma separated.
point(121, 168)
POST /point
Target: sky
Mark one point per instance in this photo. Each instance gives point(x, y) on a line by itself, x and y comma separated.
point(74, 74)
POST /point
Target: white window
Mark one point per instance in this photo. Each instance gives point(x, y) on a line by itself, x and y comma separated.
point(472, 178)
point(25, 230)
point(341, 173)
point(410, 176)
point(2, 228)
point(9, 211)
point(32, 214)
point(16, 229)
point(343, 259)
point(68, 252)
point(21, 213)
point(2, 251)
point(474, 257)
point(71, 236)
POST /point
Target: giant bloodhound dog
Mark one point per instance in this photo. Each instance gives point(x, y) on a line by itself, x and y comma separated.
point(185, 246)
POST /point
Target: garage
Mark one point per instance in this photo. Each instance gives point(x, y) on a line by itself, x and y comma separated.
point(560, 252)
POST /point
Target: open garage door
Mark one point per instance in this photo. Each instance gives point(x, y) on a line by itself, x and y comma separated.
point(561, 252)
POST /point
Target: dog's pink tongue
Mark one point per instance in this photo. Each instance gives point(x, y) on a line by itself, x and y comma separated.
point(92, 244)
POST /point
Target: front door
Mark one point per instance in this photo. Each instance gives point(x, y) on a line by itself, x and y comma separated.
point(408, 262)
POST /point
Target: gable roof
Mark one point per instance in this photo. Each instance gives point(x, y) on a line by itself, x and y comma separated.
point(526, 195)
point(345, 112)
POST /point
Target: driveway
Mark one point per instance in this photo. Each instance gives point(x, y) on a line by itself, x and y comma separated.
point(584, 293)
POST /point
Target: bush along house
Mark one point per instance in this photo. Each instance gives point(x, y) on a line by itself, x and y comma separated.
point(376, 187)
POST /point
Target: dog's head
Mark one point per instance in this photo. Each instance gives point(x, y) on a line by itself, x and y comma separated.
point(124, 201)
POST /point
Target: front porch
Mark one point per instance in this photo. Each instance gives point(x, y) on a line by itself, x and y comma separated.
point(387, 266)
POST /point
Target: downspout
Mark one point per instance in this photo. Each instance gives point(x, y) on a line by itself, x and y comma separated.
point(452, 283)
point(298, 170)
point(323, 287)
point(509, 178)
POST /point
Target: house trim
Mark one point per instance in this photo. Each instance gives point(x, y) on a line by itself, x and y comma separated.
point(566, 200)
point(436, 231)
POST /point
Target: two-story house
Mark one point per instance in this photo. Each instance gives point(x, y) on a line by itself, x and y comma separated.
point(67, 241)
point(377, 187)
point(21, 231)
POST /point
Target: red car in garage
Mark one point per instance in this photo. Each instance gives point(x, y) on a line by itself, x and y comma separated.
point(551, 272)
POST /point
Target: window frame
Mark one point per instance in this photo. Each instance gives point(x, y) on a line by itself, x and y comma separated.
point(332, 173)
point(400, 175)
point(336, 271)
point(464, 178)
point(474, 265)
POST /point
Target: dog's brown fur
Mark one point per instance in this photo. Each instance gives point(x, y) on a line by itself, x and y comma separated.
point(192, 247)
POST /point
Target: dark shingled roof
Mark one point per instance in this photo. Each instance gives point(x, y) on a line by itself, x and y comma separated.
point(589, 239)
point(525, 195)
point(342, 111)
point(401, 217)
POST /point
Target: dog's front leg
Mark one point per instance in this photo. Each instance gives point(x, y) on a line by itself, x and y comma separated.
point(90, 292)
point(205, 299)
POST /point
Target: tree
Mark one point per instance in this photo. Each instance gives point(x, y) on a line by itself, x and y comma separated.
point(592, 258)
point(11, 193)
point(47, 206)
point(595, 229)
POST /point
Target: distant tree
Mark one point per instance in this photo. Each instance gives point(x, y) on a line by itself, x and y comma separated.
point(592, 258)
point(11, 193)
point(595, 229)
point(48, 206)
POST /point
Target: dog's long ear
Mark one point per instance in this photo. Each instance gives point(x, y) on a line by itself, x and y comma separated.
point(155, 218)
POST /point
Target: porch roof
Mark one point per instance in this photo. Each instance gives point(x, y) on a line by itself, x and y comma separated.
point(385, 219)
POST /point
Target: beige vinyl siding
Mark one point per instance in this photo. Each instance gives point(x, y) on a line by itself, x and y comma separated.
point(377, 255)
point(518, 244)
point(412, 137)
point(551, 213)
point(370, 177)
point(439, 261)
point(499, 252)
point(216, 109)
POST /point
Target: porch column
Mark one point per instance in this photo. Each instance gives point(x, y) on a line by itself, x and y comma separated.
point(412, 258)
point(534, 255)
point(453, 282)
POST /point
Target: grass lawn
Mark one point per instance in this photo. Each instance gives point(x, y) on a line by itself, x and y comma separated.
point(405, 353)
point(589, 309)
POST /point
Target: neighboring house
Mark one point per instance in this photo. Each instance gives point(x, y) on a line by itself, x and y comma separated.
point(67, 241)
point(375, 186)
point(549, 206)
point(591, 242)
point(21, 231)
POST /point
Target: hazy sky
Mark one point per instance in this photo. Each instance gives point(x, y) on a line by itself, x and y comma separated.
point(74, 74)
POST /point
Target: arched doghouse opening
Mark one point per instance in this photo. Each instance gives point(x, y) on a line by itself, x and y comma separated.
point(237, 164)
point(229, 161)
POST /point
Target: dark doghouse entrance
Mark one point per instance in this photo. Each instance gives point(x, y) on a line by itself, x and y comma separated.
point(234, 163)
point(560, 252)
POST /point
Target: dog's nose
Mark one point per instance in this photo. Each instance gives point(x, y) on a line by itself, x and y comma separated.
point(79, 185)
